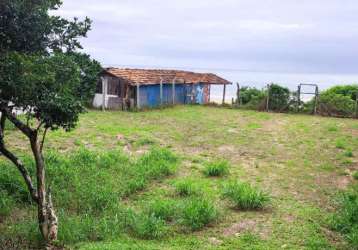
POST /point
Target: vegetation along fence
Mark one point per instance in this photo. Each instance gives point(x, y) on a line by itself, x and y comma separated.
point(337, 101)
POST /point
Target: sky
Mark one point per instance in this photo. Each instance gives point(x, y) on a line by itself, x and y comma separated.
point(250, 41)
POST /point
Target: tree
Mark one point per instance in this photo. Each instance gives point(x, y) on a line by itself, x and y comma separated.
point(43, 75)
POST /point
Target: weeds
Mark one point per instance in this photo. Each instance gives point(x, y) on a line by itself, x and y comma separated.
point(198, 212)
point(217, 168)
point(244, 196)
point(186, 187)
point(162, 209)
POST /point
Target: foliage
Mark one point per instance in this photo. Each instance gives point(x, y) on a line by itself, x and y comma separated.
point(217, 168)
point(252, 98)
point(339, 100)
point(346, 218)
point(244, 196)
point(46, 86)
point(279, 98)
point(198, 212)
point(27, 27)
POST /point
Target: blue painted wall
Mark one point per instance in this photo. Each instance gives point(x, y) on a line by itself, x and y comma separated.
point(150, 94)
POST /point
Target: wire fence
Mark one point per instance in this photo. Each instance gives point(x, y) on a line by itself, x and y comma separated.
point(275, 98)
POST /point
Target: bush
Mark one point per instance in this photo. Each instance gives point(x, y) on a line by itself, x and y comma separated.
point(198, 212)
point(186, 187)
point(279, 98)
point(252, 98)
point(339, 100)
point(217, 168)
point(244, 196)
point(345, 220)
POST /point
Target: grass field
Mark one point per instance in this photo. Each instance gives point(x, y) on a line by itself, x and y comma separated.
point(189, 178)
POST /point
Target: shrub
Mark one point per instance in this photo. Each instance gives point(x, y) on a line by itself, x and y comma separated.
point(217, 168)
point(279, 98)
point(198, 212)
point(339, 100)
point(244, 196)
point(345, 220)
point(252, 98)
point(186, 187)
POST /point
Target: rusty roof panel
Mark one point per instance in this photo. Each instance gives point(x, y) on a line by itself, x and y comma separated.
point(154, 76)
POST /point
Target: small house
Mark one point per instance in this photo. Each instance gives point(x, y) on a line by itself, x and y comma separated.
point(146, 88)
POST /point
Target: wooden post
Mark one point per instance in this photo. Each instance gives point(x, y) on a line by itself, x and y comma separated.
point(224, 94)
point(161, 92)
point(209, 93)
point(268, 98)
point(298, 97)
point(138, 97)
point(104, 92)
point(238, 95)
point(315, 101)
point(173, 90)
point(356, 107)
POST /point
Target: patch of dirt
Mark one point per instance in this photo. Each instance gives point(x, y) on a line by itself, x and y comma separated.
point(248, 225)
point(226, 149)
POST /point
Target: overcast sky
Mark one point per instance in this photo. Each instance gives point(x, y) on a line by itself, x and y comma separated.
point(287, 36)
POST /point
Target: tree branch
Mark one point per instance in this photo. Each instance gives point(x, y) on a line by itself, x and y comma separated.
point(20, 166)
point(19, 124)
point(43, 139)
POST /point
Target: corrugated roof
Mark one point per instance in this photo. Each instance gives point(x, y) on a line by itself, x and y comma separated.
point(154, 76)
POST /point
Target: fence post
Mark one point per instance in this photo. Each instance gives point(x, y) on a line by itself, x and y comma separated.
point(356, 107)
point(138, 98)
point(316, 101)
point(173, 90)
point(161, 92)
point(224, 93)
point(238, 95)
point(298, 97)
point(268, 97)
point(104, 92)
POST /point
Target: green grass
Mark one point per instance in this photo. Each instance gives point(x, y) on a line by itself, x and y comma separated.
point(244, 196)
point(216, 168)
point(346, 218)
point(198, 212)
point(187, 187)
point(125, 180)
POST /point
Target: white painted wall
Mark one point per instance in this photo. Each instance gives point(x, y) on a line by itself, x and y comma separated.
point(98, 99)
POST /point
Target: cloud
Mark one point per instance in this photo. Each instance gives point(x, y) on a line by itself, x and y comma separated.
point(272, 35)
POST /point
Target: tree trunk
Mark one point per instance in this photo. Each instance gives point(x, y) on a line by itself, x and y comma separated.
point(46, 214)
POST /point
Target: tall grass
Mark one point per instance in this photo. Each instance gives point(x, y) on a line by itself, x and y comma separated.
point(217, 168)
point(198, 212)
point(345, 220)
point(244, 196)
point(87, 189)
